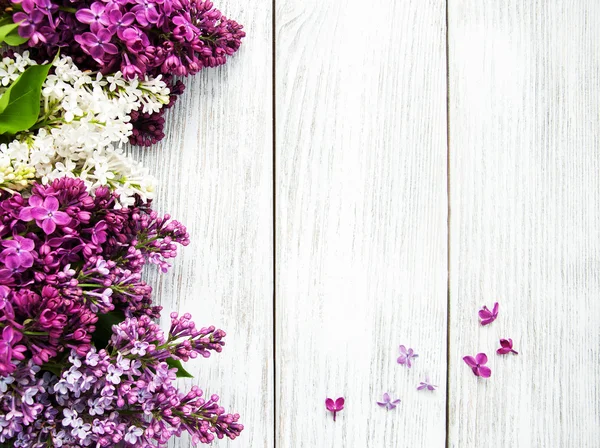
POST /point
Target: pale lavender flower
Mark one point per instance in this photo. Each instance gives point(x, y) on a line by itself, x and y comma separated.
point(426, 385)
point(133, 433)
point(388, 403)
point(406, 355)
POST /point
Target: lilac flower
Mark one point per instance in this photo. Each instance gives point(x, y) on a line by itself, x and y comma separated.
point(426, 385)
point(133, 433)
point(336, 406)
point(97, 44)
point(406, 355)
point(119, 21)
point(18, 252)
point(45, 212)
point(506, 346)
point(56, 283)
point(10, 350)
point(136, 37)
point(31, 26)
point(478, 366)
point(94, 16)
point(387, 402)
point(187, 34)
point(487, 316)
point(99, 233)
point(81, 407)
point(69, 417)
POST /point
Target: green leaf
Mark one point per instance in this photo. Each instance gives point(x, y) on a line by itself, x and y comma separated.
point(13, 39)
point(181, 372)
point(20, 104)
point(9, 32)
point(5, 30)
point(104, 326)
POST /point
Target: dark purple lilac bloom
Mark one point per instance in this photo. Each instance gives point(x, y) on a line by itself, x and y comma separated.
point(506, 346)
point(45, 212)
point(426, 385)
point(31, 25)
point(487, 316)
point(478, 366)
point(336, 406)
point(17, 252)
point(406, 355)
point(388, 403)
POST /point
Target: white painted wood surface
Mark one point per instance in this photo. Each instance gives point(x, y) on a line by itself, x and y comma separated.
point(215, 175)
point(525, 215)
point(362, 218)
point(362, 226)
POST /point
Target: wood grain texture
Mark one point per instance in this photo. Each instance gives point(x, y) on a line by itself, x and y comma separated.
point(215, 175)
point(525, 214)
point(361, 210)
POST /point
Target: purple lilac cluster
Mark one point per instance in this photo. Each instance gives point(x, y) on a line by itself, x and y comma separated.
point(136, 37)
point(120, 395)
point(67, 257)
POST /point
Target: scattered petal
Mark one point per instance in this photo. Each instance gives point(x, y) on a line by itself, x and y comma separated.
point(387, 402)
point(477, 364)
point(506, 346)
point(336, 406)
point(426, 385)
point(487, 316)
point(406, 355)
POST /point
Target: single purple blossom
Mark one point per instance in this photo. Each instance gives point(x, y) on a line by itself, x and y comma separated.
point(99, 232)
point(95, 16)
point(45, 212)
point(426, 385)
point(487, 316)
point(184, 29)
point(478, 366)
point(18, 252)
point(10, 350)
point(506, 347)
point(336, 406)
point(98, 44)
point(30, 26)
point(387, 402)
point(406, 355)
point(119, 21)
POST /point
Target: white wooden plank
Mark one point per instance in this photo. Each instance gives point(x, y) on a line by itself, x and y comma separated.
point(525, 213)
point(215, 175)
point(361, 220)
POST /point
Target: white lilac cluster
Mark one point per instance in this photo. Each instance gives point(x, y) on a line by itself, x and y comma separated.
point(84, 122)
